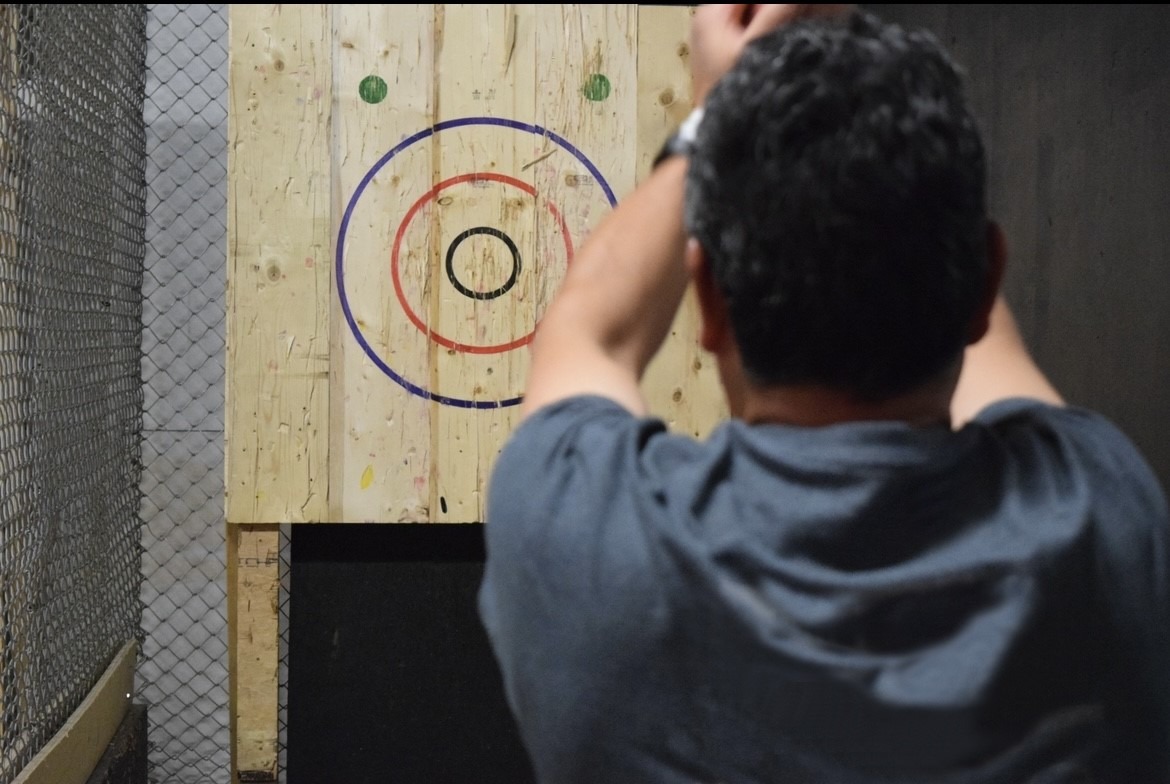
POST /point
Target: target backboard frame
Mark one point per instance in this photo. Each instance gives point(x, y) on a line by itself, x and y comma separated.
point(407, 186)
point(316, 431)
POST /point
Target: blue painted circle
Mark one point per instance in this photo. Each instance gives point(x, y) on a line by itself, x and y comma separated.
point(409, 386)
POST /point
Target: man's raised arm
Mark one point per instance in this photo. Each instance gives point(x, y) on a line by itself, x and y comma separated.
point(617, 301)
point(624, 286)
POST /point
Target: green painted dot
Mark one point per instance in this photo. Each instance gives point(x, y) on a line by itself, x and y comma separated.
point(596, 87)
point(373, 89)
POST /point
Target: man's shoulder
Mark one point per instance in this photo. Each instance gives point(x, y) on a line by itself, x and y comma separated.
point(1074, 426)
point(583, 453)
point(574, 409)
point(591, 428)
point(1092, 448)
point(1025, 410)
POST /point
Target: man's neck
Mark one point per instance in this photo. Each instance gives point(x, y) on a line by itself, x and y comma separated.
point(816, 406)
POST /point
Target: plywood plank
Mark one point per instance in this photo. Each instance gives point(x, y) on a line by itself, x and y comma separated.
point(380, 455)
point(254, 651)
point(587, 94)
point(279, 239)
point(682, 384)
point(483, 267)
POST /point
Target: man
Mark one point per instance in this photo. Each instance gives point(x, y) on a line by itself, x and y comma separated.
point(904, 558)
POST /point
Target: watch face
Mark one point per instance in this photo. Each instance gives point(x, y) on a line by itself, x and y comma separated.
point(689, 130)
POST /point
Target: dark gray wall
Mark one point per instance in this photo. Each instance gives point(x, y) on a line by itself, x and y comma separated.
point(390, 673)
point(1074, 101)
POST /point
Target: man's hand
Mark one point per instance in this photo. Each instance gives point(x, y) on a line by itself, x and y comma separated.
point(720, 31)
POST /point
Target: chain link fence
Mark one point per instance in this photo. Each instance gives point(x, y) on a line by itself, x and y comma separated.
point(71, 267)
point(183, 677)
point(112, 277)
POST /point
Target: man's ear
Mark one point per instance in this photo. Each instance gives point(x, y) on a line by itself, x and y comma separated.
point(714, 327)
point(996, 262)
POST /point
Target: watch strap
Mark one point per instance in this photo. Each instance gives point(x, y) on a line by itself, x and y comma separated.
point(682, 141)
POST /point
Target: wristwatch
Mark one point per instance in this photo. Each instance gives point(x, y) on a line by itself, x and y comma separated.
point(682, 141)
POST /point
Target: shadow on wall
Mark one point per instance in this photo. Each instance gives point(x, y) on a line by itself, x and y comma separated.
point(1074, 102)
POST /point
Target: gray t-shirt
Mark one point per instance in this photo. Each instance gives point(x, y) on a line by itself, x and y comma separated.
point(865, 602)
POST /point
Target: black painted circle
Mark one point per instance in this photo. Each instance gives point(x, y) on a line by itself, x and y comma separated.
point(508, 284)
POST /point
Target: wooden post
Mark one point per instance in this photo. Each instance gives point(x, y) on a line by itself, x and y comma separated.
point(280, 227)
point(253, 573)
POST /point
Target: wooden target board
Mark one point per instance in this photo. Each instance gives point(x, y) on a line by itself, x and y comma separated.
point(408, 185)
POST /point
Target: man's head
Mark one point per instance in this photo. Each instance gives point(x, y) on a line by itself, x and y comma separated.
point(837, 192)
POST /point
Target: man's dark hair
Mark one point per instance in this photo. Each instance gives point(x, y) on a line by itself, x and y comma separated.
point(838, 190)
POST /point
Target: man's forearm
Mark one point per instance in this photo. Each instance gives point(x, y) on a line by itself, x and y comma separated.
point(618, 300)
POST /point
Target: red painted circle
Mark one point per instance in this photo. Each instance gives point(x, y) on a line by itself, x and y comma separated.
point(414, 208)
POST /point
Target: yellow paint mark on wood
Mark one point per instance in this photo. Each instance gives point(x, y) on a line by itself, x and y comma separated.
point(372, 414)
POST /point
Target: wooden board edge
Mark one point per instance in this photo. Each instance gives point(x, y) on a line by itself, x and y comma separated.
point(74, 751)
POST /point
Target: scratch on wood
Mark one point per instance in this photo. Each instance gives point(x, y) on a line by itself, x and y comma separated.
point(509, 39)
point(532, 163)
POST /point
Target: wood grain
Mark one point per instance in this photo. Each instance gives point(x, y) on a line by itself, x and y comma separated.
point(681, 384)
point(380, 434)
point(278, 287)
point(254, 652)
